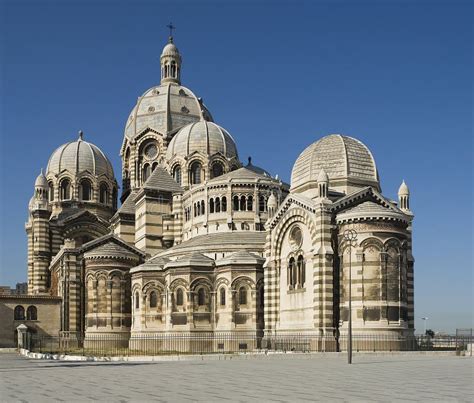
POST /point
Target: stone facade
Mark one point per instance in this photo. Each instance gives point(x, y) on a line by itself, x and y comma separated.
point(203, 244)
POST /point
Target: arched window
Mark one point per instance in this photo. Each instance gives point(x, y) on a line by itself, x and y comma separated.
point(85, 190)
point(195, 173)
point(201, 297)
point(179, 297)
point(203, 210)
point(261, 203)
point(32, 313)
point(19, 313)
point(224, 204)
point(236, 203)
point(153, 299)
point(249, 203)
point(103, 193)
point(291, 273)
point(242, 203)
point(218, 205)
point(65, 189)
point(242, 296)
point(173, 69)
point(146, 172)
point(222, 296)
point(301, 271)
point(137, 300)
point(217, 169)
point(51, 191)
point(153, 167)
point(114, 198)
point(177, 174)
point(211, 206)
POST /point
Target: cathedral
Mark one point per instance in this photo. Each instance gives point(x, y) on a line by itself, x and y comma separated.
point(205, 243)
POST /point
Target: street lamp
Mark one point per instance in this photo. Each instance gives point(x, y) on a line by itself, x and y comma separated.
point(424, 327)
point(350, 236)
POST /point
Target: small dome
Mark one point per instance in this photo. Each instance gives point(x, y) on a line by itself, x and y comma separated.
point(204, 137)
point(257, 169)
point(79, 156)
point(403, 190)
point(41, 181)
point(165, 108)
point(347, 162)
point(170, 49)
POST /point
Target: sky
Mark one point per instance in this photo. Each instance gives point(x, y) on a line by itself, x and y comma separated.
point(278, 75)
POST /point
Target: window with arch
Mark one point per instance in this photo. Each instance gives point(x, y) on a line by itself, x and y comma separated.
point(154, 165)
point(202, 207)
point(177, 174)
point(173, 69)
point(236, 203)
point(217, 169)
point(242, 203)
point(211, 206)
point(224, 204)
point(201, 297)
point(301, 271)
point(32, 313)
point(291, 273)
point(243, 295)
point(65, 189)
point(179, 297)
point(19, 313)
point(195, 173)
point(218, 205)
point(103, 193)
point(51, 191)
point(153, 299)
point(85, 190)
point(261, 203)
point(222, 296)
point(146, 172)
point(137, 300)
point(249, 203)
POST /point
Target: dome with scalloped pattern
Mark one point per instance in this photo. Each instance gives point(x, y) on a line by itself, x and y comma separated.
point(203, 137)
point(348, 163)
point(79, 156)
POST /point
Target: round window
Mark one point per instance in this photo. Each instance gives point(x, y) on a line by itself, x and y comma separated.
point(296, 237)
point(151, 151)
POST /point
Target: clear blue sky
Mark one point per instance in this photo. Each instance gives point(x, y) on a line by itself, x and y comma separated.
point(278, 76)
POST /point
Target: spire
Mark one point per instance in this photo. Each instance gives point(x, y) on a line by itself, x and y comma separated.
point(404, 197)
point(323, 184)
point(170, 61)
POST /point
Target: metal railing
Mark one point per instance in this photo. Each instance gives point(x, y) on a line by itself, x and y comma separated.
point(234, 342)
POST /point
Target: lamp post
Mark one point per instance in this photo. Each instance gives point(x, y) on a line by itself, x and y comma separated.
point(350, 236)
point(424, 325)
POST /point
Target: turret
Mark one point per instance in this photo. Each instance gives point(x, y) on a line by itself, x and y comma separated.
point(323, 184)
point(272, 205)
point(39, 201)
point(404, 197)
point(170, 61)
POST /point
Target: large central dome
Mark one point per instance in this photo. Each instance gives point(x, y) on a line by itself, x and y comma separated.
point(348, 163)
point(165, 108)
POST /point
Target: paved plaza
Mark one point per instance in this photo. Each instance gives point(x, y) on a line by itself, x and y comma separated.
point(372, 378)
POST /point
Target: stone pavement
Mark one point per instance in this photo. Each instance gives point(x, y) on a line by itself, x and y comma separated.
point(325, 378)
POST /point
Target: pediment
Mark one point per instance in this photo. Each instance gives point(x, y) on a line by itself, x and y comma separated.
point(111, 239)
point(292, 200)
point(367, 194)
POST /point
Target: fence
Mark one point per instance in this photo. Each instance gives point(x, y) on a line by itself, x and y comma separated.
point(234, 342)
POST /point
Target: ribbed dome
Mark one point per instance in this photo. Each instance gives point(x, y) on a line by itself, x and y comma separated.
point(347, 162)
point(165, 108)
point(78, 156)
point(205, 137)
point(170, 49)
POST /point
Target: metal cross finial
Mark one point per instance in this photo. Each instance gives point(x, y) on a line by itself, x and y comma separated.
point(81, 134)
point(171, 28)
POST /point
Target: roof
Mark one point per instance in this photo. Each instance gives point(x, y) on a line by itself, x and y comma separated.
point(204, 137)
point(241, 258)
point(128, 206)
point(111, 250)
point(156, 263)
point(341, 157)
point(79, 156)
point(111, 245)
point(160, 179)
point(219, 241)
point(243, 173)
point(194, 259)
